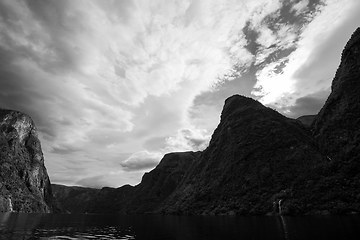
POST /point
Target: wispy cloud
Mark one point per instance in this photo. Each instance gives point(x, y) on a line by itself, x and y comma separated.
point(311, 66)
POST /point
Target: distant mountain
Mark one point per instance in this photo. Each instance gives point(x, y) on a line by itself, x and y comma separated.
point(74, 199)
point(307, 120)
point(24, 182)
point(159, 183)
point(145, 197)
point(110, 200)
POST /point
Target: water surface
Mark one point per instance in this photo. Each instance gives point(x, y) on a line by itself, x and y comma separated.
point(88, 226)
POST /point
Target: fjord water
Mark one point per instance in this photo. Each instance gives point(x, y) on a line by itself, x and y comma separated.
point(87, 226)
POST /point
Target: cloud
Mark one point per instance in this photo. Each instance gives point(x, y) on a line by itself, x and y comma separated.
point(187, 140)
point(327, 48)
point(300, 6)
point(154, 143)
point(141, 160)
point(93, 182)
point(64, 149)
point(312, 65)
point(183, 140)
point(307, 105)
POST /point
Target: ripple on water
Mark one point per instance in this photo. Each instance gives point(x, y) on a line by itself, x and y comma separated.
point(95, 233)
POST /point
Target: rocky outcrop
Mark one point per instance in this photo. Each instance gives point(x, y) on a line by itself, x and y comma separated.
point(24, 182)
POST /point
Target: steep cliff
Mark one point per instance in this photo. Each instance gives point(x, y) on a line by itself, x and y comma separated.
point(337, 132)
point(24, 182)
point(337, 125)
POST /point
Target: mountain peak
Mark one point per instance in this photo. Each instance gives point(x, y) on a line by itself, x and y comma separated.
point(239, 102)
point(345, 77)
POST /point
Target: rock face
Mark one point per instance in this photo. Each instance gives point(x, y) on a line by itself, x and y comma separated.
point(24, 183)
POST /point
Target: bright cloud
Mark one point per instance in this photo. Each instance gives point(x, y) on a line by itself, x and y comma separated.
point(300, 73)
point(300, 6)
point(193, 139)
point(141, 160)
point(111, 85)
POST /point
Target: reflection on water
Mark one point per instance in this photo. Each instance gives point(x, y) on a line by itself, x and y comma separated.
point(83, 226)
point(62, 226)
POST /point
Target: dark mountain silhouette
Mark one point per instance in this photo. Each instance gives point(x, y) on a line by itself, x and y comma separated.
point(145, 197)
point(256, 157)
point(337, 126)
point(24, 182)
point(307, 120)
point(159, 183)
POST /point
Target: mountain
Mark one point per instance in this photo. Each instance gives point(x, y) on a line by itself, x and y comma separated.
point(74, 199)
point(24, 182)
point(256, 157)
point(307, 120)
point(336, 129)
point(337, 126)
point(110, 200)
point(159, 183)
point(145, 197)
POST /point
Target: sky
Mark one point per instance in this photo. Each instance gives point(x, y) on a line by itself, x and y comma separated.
point(112, 86)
